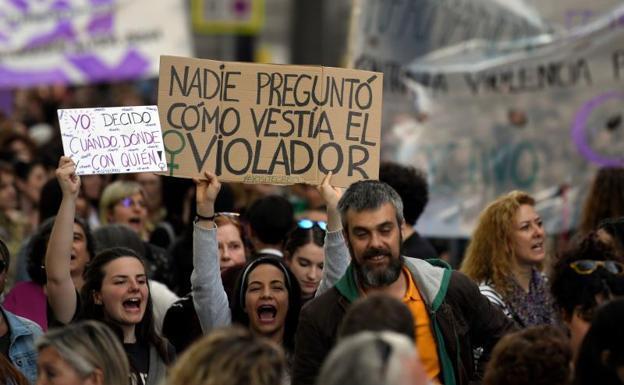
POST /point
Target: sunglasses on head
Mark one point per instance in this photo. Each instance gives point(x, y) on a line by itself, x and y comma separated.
point(588, 266)
point(308, 224)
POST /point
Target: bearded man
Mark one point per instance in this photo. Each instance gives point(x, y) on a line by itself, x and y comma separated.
point(451, 317)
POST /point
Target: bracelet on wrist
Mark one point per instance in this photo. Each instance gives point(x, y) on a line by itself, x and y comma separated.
point(203, 218)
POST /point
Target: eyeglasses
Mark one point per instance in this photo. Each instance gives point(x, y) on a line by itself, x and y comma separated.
point(3, 265)
point(308, 224)
point(129, 202)
point(588, 266)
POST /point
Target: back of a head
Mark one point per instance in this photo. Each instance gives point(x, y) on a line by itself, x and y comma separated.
point(271, 218)
point(602, 351)
point(372, 358)
point(411, 185)
point(88, 346)
point(535, 356)
point(230, 356)
point(376, 313)
point(52, 196)
point(116, 235)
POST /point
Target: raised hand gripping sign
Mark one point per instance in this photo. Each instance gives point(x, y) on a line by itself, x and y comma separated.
point(262, 123)
point(113, 140)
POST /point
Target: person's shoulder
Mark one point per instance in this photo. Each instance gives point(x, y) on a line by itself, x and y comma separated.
point(461, 285)
point(22, 325)
point(324, 302)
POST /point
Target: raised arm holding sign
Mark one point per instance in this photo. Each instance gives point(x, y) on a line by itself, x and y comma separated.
point(113, 140)
point(258, 123)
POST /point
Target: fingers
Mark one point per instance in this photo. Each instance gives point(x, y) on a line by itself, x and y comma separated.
point(327, 180)
point(65, 161)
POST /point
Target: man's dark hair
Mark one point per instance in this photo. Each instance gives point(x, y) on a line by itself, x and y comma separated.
point(602, 351)
point(376, 313)
point(411, 185)
point(271, 218)
point(539, 355)
point(572, 290)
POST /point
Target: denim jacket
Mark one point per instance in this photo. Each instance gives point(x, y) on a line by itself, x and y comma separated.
point(22, 351)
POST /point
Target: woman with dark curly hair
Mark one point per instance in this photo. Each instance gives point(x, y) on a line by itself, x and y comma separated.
point(538, 355)
point(28, 298)
point(583, 278)
point(505, 258)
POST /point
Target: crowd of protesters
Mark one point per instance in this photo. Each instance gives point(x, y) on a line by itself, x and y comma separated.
point(142, 279)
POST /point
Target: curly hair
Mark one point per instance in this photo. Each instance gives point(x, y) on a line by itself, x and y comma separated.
point(605, 198)
point(230, 356)
point(533, 356)
point(490, 254)
point(571, 290)
point(411, 184)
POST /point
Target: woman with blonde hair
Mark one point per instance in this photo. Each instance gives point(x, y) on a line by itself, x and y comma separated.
point(230, 356)
point(82, 353)
point(123, 202)
point(505, 258)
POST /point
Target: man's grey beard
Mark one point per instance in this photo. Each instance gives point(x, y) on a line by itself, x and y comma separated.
point(374, 278)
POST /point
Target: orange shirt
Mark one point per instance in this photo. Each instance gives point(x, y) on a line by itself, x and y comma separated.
point(425, 343)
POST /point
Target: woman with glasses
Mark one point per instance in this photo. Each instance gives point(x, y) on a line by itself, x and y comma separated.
point(505, 258)
point(304, 254)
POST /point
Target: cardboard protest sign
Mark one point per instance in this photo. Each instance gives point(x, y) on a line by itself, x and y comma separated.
point(113, 140)
point(278, 124)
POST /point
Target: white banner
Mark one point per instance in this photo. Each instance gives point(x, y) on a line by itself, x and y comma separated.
point(88, 41)
point(493, 95)
point(113, 140)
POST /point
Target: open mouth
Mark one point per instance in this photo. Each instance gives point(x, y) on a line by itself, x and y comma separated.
point(538, 247)
point(132, 304)
point(135, 221)
point(267, 313)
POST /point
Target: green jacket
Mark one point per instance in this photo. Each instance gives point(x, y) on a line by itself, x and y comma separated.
point(460, 319)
